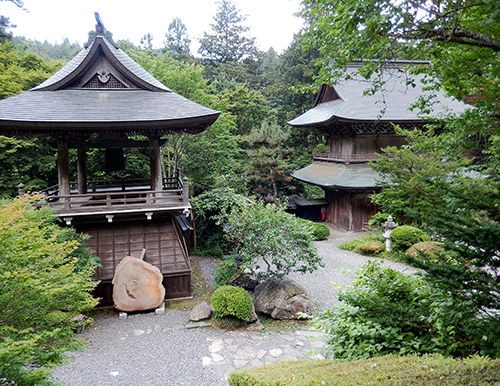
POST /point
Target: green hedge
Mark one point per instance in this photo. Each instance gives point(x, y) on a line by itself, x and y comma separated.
point(404, 236)
point(429, 370)
point(232, 301)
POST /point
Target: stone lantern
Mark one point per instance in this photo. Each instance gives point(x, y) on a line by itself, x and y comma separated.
point(389, 225)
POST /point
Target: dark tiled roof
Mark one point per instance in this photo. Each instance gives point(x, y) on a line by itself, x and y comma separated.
point(333, 175)
point(392, 105)
point(134, 102)
point(102, 109)
point(300, 201)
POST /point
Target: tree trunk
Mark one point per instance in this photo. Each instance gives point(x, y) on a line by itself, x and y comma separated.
point(137, 285)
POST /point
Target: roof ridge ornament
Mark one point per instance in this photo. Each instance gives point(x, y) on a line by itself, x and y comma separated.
point(100, 30)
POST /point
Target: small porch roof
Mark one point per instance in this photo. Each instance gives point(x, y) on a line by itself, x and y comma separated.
point(333, 175)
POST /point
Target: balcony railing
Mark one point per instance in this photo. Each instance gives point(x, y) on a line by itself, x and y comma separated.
point(345, 158)
point(123, 196)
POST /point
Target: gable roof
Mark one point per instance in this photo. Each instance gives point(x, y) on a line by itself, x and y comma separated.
point(102, 89)
point(350, 99)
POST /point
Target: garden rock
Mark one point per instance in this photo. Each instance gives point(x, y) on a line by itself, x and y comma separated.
point(281, 299)
point(244, 280)
point(201, 312)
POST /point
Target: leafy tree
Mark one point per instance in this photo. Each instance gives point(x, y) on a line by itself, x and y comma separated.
point(64, 51)
point(227, 43)
point(462, 41)
point(269, 242)
point(20, 72)
point(43, 286)
point(177, 40)
point(147, 41)
point(248, 106)
point(269, 166)
point(212, 209)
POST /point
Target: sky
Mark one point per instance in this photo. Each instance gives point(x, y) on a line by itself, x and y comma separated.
point(272, 22)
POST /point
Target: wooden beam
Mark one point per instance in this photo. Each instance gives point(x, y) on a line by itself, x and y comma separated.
point(155, 164)
point(63, 167)
point(82, 170)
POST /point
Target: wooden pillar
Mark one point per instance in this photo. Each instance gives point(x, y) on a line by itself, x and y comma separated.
point(63, 167)
point(82, 170)
point(155, 164)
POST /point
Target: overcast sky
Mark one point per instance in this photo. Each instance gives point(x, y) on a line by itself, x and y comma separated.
point(272, 22)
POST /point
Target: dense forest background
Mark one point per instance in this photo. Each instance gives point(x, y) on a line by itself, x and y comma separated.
point(250, 148)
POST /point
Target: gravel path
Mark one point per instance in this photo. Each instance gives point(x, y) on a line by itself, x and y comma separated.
point(150, 349)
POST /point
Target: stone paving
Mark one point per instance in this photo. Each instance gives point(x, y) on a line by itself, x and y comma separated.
point(238, 350)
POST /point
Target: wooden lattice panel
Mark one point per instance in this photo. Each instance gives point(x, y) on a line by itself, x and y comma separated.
point(164, 246)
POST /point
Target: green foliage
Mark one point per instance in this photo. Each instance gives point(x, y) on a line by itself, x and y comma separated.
point(228, 266)
point(177, 41)
point(404, 236)
point(212, 209)
point(269, 164)
point(43, 286)
point(232, 301)
point(64, 51)
point(320, 231)
point(267, 234)
point(431, 370)
point(20, 72)
point(372, 248)
point(227, 43)
point(388, 312)
point(427, 249)
point(355, 245)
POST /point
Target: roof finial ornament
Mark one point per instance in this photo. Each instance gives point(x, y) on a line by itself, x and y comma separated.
point(100, 30)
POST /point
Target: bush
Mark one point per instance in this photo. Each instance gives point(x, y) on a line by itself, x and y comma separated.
point(430, 370)
point(320, 231)
point(428, 249)
point(44, 283)
point(404, 236)
point(226, 269)
point(367, 243)
point(387, 312)
point(271, 242)
point(372, 247)
point(232, 301)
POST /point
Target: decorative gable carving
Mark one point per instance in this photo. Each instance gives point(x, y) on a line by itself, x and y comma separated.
point(104, 80)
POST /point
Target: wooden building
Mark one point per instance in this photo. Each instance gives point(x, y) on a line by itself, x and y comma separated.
point(359, 124)
point(103, 99)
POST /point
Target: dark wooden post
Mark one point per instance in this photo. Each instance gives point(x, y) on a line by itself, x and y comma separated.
point(155, 164)
point(82, 170)
point(63, 167)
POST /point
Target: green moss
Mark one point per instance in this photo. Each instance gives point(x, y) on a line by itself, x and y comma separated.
point(426, 370)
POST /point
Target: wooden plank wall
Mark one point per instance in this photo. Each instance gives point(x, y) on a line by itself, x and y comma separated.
point(349, 211)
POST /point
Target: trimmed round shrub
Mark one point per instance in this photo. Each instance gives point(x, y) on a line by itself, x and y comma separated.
point(232, 301)
point(321, 231)
point(427, 249)
point(372, 248)
point(404, 236)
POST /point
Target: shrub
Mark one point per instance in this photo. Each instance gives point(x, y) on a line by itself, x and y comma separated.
point(44, 283)
point(372, 247)
point(404, 236)
point(355, 245)
point(427, 249)
point(321, 231)
point(271, 242)
point(226, 269)
point(232, 301)
point(387, 312)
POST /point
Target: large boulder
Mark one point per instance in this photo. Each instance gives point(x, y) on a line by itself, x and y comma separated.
point(281, 299)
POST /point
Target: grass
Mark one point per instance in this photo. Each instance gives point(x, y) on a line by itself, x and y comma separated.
point(428, 370)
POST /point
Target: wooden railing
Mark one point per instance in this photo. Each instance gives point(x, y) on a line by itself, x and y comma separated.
point(345, 158)
point(125, 196)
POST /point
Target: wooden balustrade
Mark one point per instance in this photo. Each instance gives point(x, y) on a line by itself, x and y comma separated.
point(345, 158)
